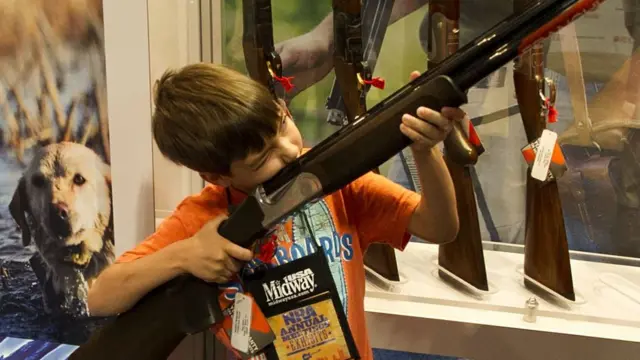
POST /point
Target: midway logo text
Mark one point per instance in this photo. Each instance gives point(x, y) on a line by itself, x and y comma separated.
point(290, 287)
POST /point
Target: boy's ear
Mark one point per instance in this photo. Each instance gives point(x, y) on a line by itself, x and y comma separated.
point(216, 179)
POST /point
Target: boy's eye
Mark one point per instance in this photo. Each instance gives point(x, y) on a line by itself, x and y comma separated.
point(283, 124)
point(263, 160)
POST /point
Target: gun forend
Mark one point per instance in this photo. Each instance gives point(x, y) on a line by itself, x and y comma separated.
point(349, 154)
point(459, 148)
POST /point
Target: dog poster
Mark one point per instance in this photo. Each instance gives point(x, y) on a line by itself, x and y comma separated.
point(56, 223)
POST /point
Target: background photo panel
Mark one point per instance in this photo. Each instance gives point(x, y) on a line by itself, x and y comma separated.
point(57, 140)
point(56, 224)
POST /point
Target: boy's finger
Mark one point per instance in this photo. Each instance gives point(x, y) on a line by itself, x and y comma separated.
point(423, 128)
point(434, 118)
point(233, 265)
point(223, 277)
point(410, 133)
point(414, 75)
point(416, 136)
point(238, 252)
point(453, 113)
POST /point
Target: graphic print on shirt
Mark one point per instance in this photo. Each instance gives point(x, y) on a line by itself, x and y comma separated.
point(338, 248)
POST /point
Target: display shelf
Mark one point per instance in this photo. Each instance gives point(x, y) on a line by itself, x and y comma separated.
point(428, 315)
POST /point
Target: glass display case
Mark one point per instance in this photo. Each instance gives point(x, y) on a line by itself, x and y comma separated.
point(555, 257)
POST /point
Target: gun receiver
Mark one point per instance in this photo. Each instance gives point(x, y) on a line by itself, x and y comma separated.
point(189, 305)
point(464, 256)
point(546, 247)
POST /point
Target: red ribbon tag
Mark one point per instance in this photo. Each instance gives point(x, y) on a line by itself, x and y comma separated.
point(285, 81)
point(376, 82)
point(553, 112)
point(473, 135)
point(268, 249)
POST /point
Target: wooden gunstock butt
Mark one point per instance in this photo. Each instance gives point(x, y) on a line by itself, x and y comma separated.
point(149, 331)
point(381, 258)
point(546, 254)
point(464, 256)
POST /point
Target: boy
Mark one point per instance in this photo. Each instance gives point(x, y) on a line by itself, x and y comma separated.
point(227, 127)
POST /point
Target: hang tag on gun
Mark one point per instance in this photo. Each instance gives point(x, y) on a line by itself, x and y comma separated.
point(241, 323)
point(545, 157)
point(244, 326)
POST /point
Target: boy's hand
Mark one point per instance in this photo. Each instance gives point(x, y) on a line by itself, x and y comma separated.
point(430, 127)
point(211, 257)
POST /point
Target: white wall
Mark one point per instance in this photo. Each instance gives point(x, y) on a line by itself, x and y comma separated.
point(127, 69)
point(174, 41)
point(159, 34)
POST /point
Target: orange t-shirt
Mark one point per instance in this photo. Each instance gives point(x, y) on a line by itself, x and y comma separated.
point(370, 209)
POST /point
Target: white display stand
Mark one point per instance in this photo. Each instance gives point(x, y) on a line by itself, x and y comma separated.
point(427, 315)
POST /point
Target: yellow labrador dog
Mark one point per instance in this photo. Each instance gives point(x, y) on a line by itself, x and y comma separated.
point(63, 204)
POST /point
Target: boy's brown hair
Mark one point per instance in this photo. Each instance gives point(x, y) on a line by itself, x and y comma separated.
point(207, 116)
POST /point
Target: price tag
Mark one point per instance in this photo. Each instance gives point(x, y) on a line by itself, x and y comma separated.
point(241, 328)
point(547, 143)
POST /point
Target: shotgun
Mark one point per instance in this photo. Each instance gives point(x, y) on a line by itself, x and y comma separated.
point(546, 258)
point(353, 81)
point(189, 305)
point(262, 61)
point(463, 257)
point(372, 25)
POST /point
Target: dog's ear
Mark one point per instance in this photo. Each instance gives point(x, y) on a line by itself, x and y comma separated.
point(19, 207)
point(106, 172)
point(107, 177)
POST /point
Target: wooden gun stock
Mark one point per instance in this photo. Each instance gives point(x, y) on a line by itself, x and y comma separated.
point(152, 324)
point(351, 70)
point(348, 56)
point(546, 258)
point(262, 61)
point(156, 325)
point(464, 256)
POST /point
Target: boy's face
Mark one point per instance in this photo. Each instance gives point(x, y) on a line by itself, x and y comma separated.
point(258, 167)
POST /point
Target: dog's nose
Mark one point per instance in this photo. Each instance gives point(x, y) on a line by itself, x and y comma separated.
point(61, 211)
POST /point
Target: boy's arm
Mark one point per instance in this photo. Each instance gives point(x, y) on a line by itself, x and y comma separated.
point(435, 219)
point(386, 212)
point(162, 257)
point(122, 285)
